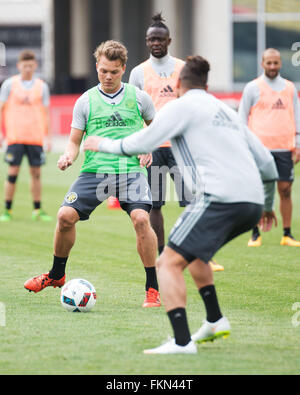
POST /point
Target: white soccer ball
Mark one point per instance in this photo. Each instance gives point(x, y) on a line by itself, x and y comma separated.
point(78, 295)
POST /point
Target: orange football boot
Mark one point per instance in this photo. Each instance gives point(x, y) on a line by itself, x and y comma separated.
point(289, 241)
point(37, 284)
point(255, 241)
point(152, 298)
point(215, 266)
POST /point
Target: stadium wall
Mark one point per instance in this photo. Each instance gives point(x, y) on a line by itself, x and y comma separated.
point(61, 109)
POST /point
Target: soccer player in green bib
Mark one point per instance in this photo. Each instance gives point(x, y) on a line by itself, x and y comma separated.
point(111, 109)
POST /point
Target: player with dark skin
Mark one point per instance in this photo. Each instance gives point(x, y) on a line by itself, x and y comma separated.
point(158, 41)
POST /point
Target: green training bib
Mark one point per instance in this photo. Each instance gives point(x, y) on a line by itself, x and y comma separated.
point(115, 122)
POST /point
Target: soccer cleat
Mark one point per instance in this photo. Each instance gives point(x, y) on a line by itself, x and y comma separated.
point(152, 298)
point(37, 284)
point(210, 331)
point(215, 266)
point(40, 215)
point(6, 216)
point(255, 241)
point(289, 241)
point(172, 348)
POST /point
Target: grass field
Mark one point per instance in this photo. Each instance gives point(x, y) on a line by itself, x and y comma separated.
point(257, 291)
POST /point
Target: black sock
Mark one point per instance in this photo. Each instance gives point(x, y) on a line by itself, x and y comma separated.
point(37, 205)
point(58, 268)
point(8, 204)
point(160, 249)
point(210, 300)
point(151, 279)
point(255, 232)
point(180, 326)
point(287, 232)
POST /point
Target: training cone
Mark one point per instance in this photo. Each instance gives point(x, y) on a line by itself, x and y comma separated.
point(113, 203)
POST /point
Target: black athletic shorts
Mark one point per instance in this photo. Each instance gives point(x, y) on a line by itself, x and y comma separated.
point(163, 163)
point(91, 189)
point(205, 226)
point(285, 165)
point(15, 152)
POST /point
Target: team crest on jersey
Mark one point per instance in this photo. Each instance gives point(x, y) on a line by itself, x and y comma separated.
point(9, 157)
point(130, 103)
point(71, 197)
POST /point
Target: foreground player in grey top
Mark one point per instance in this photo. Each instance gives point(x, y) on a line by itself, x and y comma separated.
point(224, 164)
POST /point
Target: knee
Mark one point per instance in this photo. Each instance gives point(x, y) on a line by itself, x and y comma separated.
point(13, 174)
point(285, 191)
point(65, 219)
point(35, 175)
point(159, 264)
point(167, 264)
point(12, 179)
point(140, 221)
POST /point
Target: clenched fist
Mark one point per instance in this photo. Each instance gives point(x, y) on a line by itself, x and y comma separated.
point(64, 162)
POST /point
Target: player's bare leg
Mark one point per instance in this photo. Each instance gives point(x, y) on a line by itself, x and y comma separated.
point(64, 239)
point(145, 236)
point(10, 188)
point(286, 208)
point(202, 273)
point(157, 223)
point(215, 326)
point(170, 267)
point(147, 246)
point(36, 193)
point(35, 184)
point(9, 192)
point(65, 232)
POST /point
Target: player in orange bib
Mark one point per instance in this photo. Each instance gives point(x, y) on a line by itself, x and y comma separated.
point(158, 77)
point(24, 101)
point(271, 109)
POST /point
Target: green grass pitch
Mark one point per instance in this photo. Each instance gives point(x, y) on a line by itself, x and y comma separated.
point(257, 292)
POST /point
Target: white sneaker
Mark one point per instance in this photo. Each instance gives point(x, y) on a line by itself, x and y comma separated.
point(172, 348)
point(210, 331)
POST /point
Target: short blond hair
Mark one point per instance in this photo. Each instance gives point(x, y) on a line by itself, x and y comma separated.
point(112, 50)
